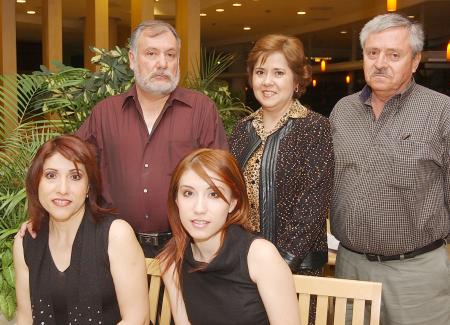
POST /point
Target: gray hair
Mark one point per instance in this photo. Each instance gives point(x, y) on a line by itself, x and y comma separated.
point(383, 22)
point(157, 27)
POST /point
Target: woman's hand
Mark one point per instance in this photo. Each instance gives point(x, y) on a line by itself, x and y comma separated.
point(275, 283)
point(24, 227)
point(129, 274)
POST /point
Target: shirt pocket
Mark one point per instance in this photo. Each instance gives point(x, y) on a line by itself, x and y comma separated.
point(177, 151)
point(407, 163)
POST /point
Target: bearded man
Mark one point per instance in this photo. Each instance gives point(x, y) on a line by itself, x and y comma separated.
point(143, 133)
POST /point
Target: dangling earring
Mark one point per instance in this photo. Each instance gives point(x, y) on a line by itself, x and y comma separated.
point(296, 89)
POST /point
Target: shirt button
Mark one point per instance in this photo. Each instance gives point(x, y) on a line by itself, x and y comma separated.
point(145, 190)
point(146, 165)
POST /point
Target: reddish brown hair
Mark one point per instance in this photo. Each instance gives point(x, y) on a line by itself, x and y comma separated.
point(73, 149)
point(225, 166)
point(292, 49)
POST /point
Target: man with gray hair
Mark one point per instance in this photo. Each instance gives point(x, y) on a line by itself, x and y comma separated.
point(143, 133)
point(391, 199)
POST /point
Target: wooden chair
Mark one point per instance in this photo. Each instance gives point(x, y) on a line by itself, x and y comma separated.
point(341, 290)
point(153, 294)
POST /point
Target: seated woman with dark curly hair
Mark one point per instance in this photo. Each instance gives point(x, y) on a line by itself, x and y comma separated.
point(84, 267)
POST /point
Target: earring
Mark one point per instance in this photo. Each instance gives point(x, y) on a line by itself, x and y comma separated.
point(87, 196)
point(296, 89)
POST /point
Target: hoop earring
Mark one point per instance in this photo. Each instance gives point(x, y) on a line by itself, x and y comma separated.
point(296, 89)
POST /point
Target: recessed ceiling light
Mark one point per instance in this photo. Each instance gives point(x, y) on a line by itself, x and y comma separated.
point(21, 1)
point(343, 32)
point(411, 16)
point(301, 12)
point(237, 4)
point(220, 10)
point(31, 12)
point(247, 28)
point(202, 14)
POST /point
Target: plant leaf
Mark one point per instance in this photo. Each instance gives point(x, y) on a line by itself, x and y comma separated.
point(8, 275)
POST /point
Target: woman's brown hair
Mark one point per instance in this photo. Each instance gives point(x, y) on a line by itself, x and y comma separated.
point(75, 150)
point(225, 166)
point(292, 49)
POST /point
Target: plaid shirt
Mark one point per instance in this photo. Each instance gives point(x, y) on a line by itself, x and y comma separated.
point(392, 175)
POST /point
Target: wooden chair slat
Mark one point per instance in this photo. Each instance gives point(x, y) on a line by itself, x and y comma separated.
point(340, 309)
point(358, 312)
point(321, 310)
point(303, 303)
point(154, 272)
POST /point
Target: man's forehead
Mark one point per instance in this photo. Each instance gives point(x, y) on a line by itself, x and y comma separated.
point(393, 33)
point(158, 37)
point(389, 38)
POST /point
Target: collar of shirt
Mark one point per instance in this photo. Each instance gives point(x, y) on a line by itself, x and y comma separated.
point(366, 94)
point(296, 110)
point(179, 94)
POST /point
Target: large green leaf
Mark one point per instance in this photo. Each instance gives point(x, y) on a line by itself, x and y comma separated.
point(8, 304)
point(8, 275)
point(7, 260)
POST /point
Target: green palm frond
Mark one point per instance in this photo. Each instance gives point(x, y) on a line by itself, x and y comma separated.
point(205, 78)
point(210, 67)
point(25, 103)
point(13, 205)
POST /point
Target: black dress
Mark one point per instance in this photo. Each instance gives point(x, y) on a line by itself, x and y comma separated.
point(83, 293)
point(223, 293)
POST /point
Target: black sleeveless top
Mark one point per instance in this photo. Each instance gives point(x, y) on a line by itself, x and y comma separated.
point(223, 293)
point(83, 293)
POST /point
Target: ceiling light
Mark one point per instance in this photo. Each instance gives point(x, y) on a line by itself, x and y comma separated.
point(343, 32)
point(21, 1)
point(320, 58)
point(448, 51)
point(237, 4)
point(31, 12)
point(247, 28)
point(391, 5)
point(202, 14)
point(220, 10)
point(314, 82)
point(301, 12)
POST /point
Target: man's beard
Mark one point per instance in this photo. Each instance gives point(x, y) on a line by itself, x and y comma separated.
point(158, 87)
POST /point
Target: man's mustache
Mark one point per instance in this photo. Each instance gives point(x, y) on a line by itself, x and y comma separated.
point(382, 73)
point(161, 74)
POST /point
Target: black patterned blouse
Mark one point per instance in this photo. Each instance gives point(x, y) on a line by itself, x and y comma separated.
point(302, 163)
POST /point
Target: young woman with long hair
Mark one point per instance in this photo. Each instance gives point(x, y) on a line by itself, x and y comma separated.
point(215, 270)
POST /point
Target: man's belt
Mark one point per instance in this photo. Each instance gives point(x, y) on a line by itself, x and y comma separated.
point(153, 238)
point(383, 258)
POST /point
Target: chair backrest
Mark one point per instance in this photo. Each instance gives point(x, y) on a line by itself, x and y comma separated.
point(163, 311)
point(341, 290)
